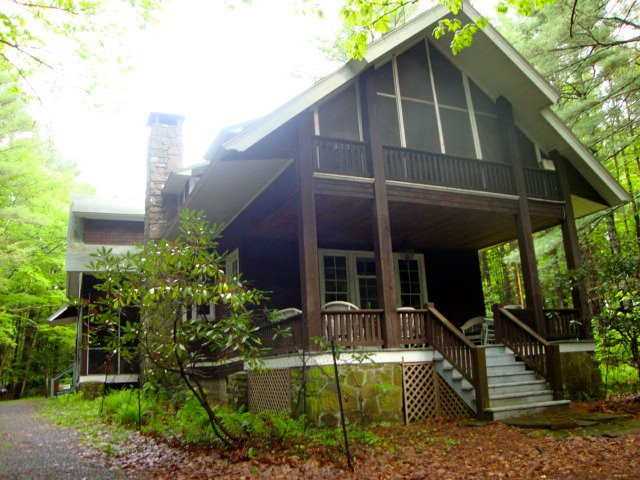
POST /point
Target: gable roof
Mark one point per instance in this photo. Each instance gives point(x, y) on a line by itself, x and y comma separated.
point(529, 93)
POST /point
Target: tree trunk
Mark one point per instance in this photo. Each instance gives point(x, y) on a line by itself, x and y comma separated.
point(506, 281)
point(612, 233)
point(27, 367)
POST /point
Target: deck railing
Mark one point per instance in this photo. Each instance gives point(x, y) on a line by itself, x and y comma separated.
point(536, 352)
point(285, 336)
point(542, 184)
point(343, 157)
point(353, 328)
point(413, 326)
point(447, 171)
point(565, 324)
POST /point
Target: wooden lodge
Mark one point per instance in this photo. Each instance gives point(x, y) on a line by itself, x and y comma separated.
point(361, 206)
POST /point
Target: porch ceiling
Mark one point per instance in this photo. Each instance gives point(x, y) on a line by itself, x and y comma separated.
point(348, 221)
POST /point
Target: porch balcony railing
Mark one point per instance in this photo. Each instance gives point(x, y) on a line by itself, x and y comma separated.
point(347, 157)
point(542, 184)
point(447, 171)
point(343, 157)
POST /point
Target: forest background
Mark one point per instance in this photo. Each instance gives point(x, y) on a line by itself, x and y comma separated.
point(589, 50)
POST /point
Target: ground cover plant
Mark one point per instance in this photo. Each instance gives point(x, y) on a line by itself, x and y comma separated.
point(443, 449)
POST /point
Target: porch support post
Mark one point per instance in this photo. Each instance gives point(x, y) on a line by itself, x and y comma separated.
point(385, 269)
point(532, 288)
point(307, 232)
point(571, 242)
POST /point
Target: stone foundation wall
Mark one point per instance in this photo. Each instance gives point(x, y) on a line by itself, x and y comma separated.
point(581, 375)
point(371, 394)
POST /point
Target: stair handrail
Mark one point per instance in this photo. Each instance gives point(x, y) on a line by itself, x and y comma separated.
point(465, 357)
point(55, 379)
point(537, 353)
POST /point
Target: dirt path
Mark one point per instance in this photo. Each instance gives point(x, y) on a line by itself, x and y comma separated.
point(31, 447)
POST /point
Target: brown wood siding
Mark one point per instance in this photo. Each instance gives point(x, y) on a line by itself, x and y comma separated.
point(580, 187)
point(113, 232)
point(271, 265)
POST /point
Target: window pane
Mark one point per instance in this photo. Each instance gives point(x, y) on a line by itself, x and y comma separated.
point(420, 126)
point(368, 292)
point(410, 287)
point(335, 278)
point(384, 79)
point(527, 150)
point(456, 129)
point(413, 73)
point(338, 117)
point(481, 102)
point(490, 138)
point(388, 118)
point(448, 80)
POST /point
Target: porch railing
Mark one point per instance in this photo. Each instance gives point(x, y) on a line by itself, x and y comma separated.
point(542, 184)
point(285, 336)
point(560, 323)
point(353, 328)
point(343, 157)
point(413, 327)
point(536, 352)
point(565, 324)
point(447, 171)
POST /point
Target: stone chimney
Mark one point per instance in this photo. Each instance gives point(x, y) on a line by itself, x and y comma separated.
point(164, 155)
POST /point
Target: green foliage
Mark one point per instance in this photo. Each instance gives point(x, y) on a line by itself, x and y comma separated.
point(34, 196)
point(366, 20)
point(25, 27)
point(166, 282)
point(179, 415)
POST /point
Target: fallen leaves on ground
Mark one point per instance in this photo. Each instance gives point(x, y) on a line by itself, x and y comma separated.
point(440, 450)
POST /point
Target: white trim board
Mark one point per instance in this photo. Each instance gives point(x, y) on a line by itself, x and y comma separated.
point(404, 355)
point(115, 378)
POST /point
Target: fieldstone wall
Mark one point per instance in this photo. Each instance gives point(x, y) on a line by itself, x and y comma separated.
point(164, 154)
point(371, 394)
point(581, 375)
point(216, 390)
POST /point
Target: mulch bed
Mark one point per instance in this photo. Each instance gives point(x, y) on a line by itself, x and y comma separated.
point(443, 450)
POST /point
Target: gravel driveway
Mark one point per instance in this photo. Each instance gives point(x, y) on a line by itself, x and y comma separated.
point(31, 447)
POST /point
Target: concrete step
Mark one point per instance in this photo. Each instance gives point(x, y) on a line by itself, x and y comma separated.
point(515, 367)
point(499, 413)
point(520, 398)
point(515, 387)
point(497, 378)
point(493, 350)
point(501, 359)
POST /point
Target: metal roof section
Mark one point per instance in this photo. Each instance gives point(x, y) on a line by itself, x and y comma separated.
point(231, 185)
point(107, 208)
point(529, 93)
point(65, 316)
point(178, 179)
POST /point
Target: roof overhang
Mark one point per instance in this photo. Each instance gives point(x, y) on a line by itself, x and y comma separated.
point(230, 185)
point(104, 208)
point(65, 316)
point(488, 46)
point(528, 92)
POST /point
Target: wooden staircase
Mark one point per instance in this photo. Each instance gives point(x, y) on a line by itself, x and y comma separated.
point(513, 390)
point(517, 377)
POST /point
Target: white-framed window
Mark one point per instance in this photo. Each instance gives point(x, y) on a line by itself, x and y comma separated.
point(350, 276)
point(232, 266)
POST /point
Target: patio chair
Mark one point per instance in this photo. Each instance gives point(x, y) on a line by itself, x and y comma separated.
point(479, 330)
point(288, 313)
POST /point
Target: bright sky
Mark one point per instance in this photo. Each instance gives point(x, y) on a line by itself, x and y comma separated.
point(215, 65)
